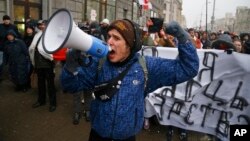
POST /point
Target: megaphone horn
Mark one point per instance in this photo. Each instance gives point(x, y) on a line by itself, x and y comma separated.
point(61, 31)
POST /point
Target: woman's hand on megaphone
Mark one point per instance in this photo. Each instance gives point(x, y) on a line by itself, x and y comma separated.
point(73, 58)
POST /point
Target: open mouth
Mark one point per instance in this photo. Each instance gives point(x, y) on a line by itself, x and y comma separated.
point(111, 54)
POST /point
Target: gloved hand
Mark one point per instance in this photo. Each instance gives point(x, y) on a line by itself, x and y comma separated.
point(173, 28)
point(73, 59)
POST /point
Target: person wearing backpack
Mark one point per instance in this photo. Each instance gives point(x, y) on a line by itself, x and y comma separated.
point(119, 85)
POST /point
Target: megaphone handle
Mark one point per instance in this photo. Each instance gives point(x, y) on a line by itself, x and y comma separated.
point(84, 63)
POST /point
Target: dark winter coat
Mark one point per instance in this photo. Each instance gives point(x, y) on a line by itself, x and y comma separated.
point(18, 61)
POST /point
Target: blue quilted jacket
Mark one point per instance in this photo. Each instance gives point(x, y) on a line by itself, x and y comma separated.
point(122, 116)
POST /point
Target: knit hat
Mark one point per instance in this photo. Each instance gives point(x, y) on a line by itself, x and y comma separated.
point(106, 21)
point(125, 28)
point(223, 42)
point(6, 17)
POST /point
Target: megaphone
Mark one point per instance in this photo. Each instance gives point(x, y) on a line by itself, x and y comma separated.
point(61, 31)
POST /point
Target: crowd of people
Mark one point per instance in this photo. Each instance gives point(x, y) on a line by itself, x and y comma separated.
point(113, 92)
point(201, 39)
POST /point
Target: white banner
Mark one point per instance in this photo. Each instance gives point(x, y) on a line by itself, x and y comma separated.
point(216, 98)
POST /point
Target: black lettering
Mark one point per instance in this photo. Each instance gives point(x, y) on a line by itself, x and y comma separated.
point(223, 125)
point(208, 68)
point(176, 107)
point(165, 91)
point(189, 87)
point(213, 96)
point(245, 117)
point(186, 119)
point(239, 102)
point(163, 98)
point(207, 108)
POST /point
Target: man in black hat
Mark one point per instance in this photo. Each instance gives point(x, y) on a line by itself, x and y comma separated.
point(4, 28)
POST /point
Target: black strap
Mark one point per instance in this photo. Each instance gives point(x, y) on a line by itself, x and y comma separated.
point(106, 90)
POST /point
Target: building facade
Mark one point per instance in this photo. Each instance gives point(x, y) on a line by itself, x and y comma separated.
point(172, 11)
point(242, 20)
point(82, 10)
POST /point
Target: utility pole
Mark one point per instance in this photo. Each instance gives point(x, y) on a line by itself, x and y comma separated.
point(212, 18)
point(206, 15)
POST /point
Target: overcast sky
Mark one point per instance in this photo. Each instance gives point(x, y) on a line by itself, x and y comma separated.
point(195, 10)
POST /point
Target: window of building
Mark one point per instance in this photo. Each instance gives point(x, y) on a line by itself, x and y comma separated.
point(24, 10)
point(111, 4)
point(93, 10)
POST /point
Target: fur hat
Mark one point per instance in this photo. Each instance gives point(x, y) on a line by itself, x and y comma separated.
point(126, 29)
point(6, 17)
point(224, 42)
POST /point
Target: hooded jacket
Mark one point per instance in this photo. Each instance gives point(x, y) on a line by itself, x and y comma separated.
point(122, 116)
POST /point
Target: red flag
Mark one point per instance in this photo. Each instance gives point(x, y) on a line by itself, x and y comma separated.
point(146, 4)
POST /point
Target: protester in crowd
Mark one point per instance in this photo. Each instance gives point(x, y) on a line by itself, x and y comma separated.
point(84, 26)
point(18, 60)
point(117, 113)
point(147, 40)
point(224, 42)
point(244, 37)
point(28, 37)
point(196, 41)
point(7, 25)
point(31, 23)
point(77, 107)
point(44, 68)
point(212, 37)
point(206, 44)
point(95, 30)
point(104, 28)
point(238, 45)
point(163, 39)
point(4, 28)
point(235, 36)
point(246, 47)
point(81, 99)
